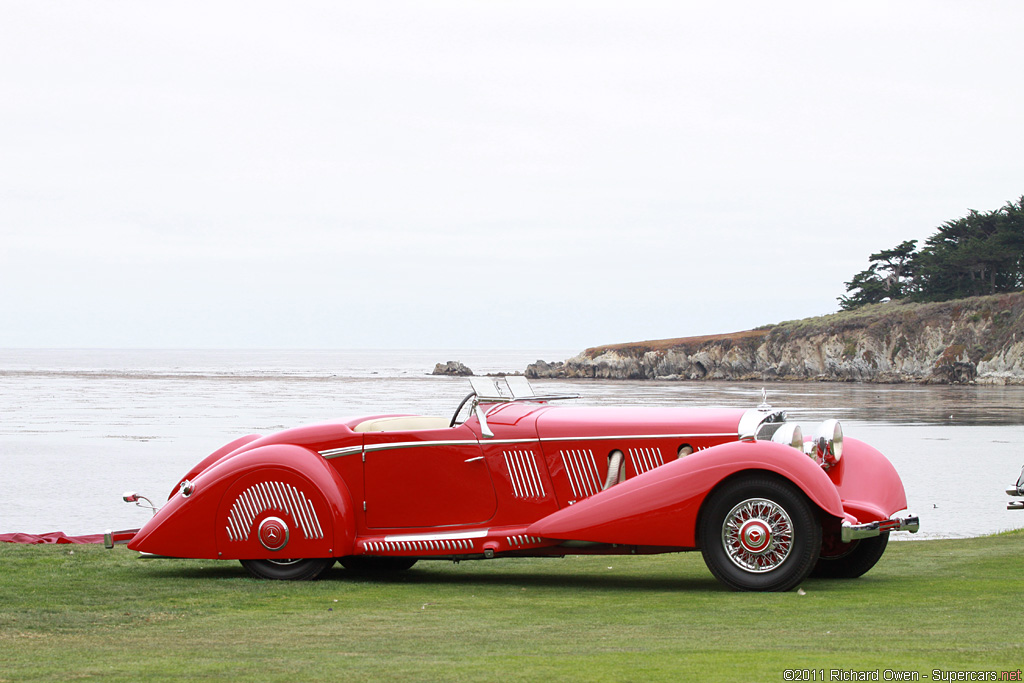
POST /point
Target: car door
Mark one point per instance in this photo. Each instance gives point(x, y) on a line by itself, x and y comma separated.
point(426, 478)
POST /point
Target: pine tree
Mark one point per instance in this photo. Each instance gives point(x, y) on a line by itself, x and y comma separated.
point(980, 253)
point(889, 276)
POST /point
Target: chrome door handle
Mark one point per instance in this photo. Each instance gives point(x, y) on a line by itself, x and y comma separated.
point(479, 457)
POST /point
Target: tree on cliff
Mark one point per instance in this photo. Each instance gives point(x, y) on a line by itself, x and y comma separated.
point(980, 253)
point(890, 276)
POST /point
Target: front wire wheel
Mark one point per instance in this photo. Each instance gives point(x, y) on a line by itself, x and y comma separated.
point(759, 533)
point(289, 570)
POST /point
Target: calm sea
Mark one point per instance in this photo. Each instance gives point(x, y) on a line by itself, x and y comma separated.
point(78, 428)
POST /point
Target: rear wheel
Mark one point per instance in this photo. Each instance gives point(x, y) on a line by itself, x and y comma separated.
point(288, 570)
point(375, 565)
point(850, 560)
point(759, 533)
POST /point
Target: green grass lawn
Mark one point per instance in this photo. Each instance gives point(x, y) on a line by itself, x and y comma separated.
point(75, 612)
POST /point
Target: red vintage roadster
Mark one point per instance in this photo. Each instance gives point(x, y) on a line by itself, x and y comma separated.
point(514, 474)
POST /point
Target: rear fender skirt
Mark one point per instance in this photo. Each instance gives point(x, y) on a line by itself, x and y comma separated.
point(660, 507)
point(224, 515)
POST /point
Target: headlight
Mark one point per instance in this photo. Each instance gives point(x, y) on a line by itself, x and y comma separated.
point(789, 434)
point(828, 443)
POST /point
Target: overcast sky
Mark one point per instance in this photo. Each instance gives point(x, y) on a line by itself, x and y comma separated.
point(481, 174)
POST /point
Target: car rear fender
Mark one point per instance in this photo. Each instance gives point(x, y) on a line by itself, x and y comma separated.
point(229, 502)
point(661, 506)
point(212, 458)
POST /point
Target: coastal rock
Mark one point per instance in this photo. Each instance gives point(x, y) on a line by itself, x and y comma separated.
point(544, 370)
point(955, 342)
point(452, 367)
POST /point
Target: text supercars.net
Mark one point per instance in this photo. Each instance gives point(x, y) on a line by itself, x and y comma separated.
point(816, 675)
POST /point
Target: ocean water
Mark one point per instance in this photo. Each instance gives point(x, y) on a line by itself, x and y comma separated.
point(80, 427)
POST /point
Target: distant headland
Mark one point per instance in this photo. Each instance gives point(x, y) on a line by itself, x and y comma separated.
point(976, 340)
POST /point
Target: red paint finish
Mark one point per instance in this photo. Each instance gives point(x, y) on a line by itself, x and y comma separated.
point(868, 484)
point(538, 485)
point(297, 480)
point(702, 424)
point(430, 477)
point(661, 507)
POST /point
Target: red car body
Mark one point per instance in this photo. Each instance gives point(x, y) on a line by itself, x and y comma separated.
point(527, 476)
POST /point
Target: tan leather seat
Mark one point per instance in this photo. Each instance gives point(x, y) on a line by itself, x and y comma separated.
point(402, 423)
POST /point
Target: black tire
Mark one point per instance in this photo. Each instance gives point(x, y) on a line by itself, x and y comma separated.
point(376, 565)
point(759, 533)
point(855, 559)
point(288, 570)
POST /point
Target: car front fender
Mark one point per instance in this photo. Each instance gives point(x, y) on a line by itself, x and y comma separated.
point(660, 507)
point(868, 484)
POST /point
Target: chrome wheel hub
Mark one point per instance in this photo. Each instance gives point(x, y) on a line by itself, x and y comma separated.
point(757, 535)
point(273, 533)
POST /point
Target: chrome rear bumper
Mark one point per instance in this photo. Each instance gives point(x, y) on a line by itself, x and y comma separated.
point(1016, 490)
point(852, 532)
point(1014, 504)
point(112, 538)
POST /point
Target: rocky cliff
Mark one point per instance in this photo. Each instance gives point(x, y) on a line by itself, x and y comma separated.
point(978, 340)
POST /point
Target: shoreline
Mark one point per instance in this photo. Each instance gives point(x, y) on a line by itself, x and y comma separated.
point(977, 341)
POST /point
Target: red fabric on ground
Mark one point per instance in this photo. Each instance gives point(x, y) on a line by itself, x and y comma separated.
point(52, 537)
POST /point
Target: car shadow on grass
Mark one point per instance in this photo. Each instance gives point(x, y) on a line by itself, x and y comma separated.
point(534, 579)
point(425, 575)
point(588, 580)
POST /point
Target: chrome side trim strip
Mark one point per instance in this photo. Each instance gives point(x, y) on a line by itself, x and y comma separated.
point(354, 450)
point(418, 444)
point(443, 536)
point(555, 439)
point(341, 452)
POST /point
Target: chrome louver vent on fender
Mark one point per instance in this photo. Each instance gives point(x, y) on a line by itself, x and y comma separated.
point(582, 473)
point(523, 540)
point(277, 496)
point(525, 476)
point(646, 459)
point(461, 544)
